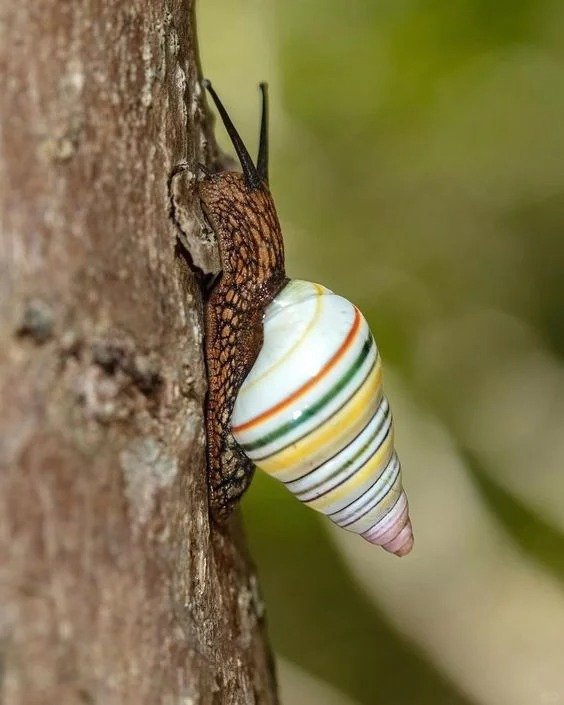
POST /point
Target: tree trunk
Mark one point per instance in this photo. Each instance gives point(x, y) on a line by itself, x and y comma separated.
point(114, 587)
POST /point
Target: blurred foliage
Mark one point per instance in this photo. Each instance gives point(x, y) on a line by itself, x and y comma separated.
point(536, 537)
point(418, 168)
point(319, 615)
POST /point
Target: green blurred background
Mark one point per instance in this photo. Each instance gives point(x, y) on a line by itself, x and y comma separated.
point(417, 163)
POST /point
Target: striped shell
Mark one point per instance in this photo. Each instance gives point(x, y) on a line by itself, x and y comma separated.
point(311, 413)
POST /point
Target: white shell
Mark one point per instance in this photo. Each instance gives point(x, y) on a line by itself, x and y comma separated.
point(311, 413)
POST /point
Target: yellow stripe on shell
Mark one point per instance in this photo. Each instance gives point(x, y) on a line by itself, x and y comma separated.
point(379, 510)
point(378, 461)
point(329, 438)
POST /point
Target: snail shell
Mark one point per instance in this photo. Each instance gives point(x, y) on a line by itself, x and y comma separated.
point(312, 414)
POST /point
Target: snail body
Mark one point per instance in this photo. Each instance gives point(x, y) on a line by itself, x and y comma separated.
point(295, 376)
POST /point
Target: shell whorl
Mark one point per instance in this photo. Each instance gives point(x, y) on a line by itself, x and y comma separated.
point(312, 413)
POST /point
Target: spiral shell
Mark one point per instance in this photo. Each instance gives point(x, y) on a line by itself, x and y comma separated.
point(312, 414)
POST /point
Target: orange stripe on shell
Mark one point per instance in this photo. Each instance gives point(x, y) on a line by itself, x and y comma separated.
point(310, 383)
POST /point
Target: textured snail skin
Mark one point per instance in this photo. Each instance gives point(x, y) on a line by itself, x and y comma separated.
point(252, 259)
point(312, 413)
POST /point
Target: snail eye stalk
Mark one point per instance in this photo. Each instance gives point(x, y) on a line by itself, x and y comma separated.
point(262, 159)
point(249, 170)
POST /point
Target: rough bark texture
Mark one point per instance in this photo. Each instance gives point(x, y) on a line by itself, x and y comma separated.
point(114, 587)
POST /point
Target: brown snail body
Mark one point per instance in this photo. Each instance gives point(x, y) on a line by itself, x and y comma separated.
point(252, 257)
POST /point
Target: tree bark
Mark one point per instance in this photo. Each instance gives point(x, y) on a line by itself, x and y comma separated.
point(114, 587)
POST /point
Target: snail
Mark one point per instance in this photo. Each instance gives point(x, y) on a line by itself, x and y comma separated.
point(294, 374)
